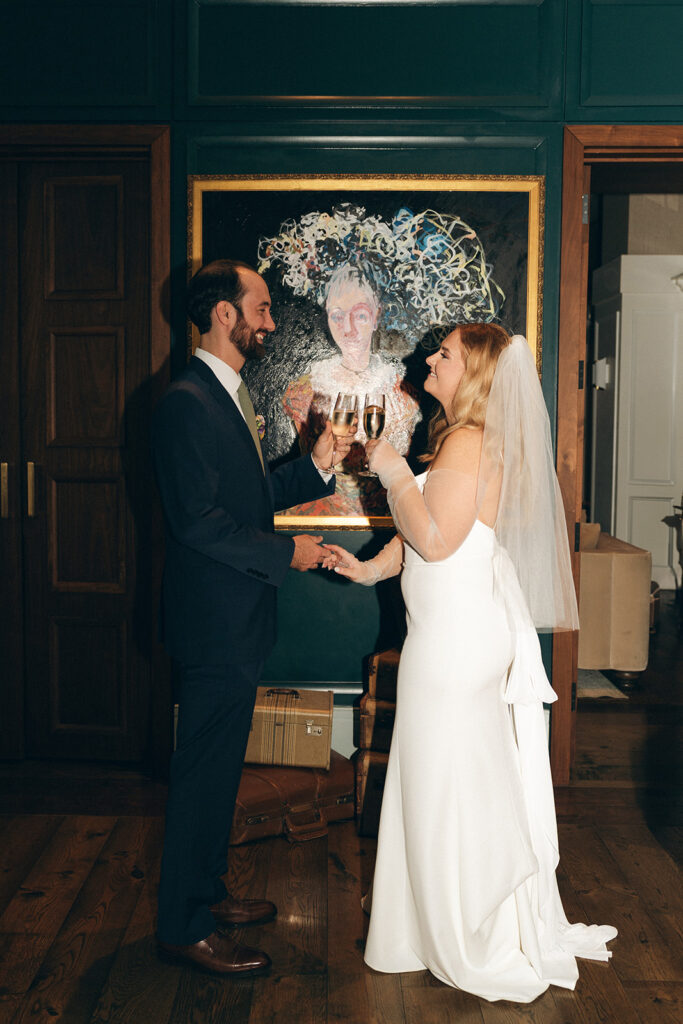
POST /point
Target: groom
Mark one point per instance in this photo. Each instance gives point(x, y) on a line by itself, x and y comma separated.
point(224, 563)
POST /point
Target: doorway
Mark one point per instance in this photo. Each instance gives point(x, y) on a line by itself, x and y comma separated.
point(600, 154)
point(85, 253)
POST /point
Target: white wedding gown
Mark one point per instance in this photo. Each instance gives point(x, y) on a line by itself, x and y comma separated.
point(465, 876)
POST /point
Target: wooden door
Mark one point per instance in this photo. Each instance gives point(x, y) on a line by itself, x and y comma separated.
point(84, 338)
point(570, 423)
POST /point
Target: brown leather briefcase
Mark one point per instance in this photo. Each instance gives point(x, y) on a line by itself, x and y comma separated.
point(299, 802)
point(382, 674)
point(371, 773)
point(376, 723)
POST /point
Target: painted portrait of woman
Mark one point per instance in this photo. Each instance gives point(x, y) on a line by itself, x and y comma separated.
point(383, 285)
point(353, 311)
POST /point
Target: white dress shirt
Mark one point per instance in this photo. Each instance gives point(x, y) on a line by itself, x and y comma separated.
point(231, 382)
point(226, 375)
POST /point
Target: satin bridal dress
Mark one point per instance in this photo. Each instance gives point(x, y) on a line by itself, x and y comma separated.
point(464, 881)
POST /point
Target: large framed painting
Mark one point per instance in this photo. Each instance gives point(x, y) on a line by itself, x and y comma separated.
point(367, 274)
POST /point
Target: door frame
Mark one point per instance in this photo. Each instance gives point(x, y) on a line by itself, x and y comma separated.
point(34, 142)
point(584, 145)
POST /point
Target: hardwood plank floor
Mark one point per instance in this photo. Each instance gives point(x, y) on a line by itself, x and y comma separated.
point(22, 841)
point(78, 942)
point(68, 982)
point(657, 1001)
point(80, 849)
point(35, 914)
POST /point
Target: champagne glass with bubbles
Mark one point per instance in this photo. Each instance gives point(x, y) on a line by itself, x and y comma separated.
point(374, 414)
point(343, 418)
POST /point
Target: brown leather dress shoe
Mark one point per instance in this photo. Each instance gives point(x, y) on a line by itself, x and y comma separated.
point(219, 954)
point(233, 913)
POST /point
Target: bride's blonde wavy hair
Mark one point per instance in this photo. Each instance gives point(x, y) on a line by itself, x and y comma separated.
point(483, 344)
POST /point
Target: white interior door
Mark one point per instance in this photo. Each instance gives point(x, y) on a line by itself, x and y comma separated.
point(639, 310)
point(650, 448)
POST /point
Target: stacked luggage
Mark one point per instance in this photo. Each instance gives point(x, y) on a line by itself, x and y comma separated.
point(292, 782)
point(377, 713)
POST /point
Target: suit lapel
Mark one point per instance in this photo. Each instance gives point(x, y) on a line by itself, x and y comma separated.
point(229, 407)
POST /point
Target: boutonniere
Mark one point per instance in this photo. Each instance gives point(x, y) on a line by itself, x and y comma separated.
point(260, 426)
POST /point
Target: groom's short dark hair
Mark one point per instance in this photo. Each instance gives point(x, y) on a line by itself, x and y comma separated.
point(218, 281)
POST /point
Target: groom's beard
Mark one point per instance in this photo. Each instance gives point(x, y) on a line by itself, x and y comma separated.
point(244, 339)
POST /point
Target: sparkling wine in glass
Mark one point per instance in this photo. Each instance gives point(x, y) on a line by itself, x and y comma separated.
point(374, 414)
point(344, 417)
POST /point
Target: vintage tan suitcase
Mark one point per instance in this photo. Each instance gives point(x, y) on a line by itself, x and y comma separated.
point(299, 802)
point(291, 727)
point(382, 673)
point(376, 723)
point(371, 772)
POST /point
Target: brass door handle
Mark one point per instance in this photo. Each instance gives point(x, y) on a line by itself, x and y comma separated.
point(30, 489)
point(4, 490)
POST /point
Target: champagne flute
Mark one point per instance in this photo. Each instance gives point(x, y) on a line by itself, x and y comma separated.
point(374, 413)
point(343, 418)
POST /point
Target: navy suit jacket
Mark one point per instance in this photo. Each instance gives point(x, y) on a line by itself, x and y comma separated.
point(224, 561)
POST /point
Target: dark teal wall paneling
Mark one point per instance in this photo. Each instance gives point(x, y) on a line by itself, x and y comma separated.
point(625, 62)
point(327, 626)
point(85, 59)
point(483, 61)
point(444, 53)
point(410, 148)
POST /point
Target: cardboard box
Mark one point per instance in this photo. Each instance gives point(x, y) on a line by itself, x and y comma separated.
point(614, 602)
point(291, 727)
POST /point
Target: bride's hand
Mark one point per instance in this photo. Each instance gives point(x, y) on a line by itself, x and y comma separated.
point(348, 565)
point(381, 456)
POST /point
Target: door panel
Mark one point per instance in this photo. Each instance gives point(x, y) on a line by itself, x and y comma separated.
point(84, 236)
point(87, 535)
point(85, 354)
point(82, 651)
point(86, 393)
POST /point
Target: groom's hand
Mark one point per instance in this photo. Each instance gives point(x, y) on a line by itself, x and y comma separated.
point(307, 552)
point(329, 450)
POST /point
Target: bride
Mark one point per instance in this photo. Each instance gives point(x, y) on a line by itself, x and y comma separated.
point(464, 881)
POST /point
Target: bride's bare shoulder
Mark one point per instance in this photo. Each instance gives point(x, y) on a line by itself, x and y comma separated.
point(460, 450)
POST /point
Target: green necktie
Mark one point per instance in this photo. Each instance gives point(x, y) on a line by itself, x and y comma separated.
point(250, 418)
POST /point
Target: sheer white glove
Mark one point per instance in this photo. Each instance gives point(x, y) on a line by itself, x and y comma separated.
point(388, 562)
point(437, 520)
